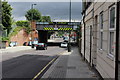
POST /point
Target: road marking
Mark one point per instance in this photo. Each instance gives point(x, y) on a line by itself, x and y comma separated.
point(46, 66)
point(43, 68)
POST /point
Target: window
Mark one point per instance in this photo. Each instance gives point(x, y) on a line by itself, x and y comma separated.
point(101, 30)
point(101, 40)
point(101, 20)
point(111, 47)
point(112, 30)
point(112, 17)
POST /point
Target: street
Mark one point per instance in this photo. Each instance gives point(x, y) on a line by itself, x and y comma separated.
point(27, 64)
point(80, 39)
point(56, 40)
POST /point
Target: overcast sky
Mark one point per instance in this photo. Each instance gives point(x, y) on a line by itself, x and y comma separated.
point(44, 0)
point(57, 10)
point(60, 0)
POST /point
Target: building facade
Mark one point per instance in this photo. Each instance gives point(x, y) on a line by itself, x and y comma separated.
point(99, 36)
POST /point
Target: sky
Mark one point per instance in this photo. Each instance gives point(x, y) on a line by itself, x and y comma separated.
point(56, 10)
point(44, 0)
point(60, 0)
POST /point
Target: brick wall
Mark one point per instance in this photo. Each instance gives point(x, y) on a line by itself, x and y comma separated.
point(21, 37)
point(34, 33)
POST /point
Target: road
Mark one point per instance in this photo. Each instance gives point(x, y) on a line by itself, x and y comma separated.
point(56, 40)
point(27, 64)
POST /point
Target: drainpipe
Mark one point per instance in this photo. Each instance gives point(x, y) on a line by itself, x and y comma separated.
point(117, 40)
point(90, 43)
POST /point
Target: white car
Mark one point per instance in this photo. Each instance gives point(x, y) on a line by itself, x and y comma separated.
point(64, 44)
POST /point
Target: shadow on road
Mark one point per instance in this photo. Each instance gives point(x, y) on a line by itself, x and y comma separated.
point(26, 66)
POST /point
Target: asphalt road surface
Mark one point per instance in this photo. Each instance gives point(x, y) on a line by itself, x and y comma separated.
point(27, 64)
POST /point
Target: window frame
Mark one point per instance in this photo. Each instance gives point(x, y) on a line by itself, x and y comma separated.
point(101, 30)
point(111, 54)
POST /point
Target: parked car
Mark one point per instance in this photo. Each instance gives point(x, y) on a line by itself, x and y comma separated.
point(12, 44)
point(35, 43)
point(29, 43)
point(41, 46)
point(64, 44)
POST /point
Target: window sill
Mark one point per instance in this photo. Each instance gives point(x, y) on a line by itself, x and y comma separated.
point(110, 56)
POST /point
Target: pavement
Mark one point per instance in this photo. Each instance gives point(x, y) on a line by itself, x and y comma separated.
point(15, 49)
point(70, 65)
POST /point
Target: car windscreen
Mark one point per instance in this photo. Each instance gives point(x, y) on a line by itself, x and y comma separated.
point(63, 43)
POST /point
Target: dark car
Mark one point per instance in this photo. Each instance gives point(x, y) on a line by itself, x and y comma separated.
point(41, 46)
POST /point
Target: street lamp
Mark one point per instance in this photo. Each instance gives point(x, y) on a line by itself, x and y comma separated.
point(69, 45)
point(32, 45)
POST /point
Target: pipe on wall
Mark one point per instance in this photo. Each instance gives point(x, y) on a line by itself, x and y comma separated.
point(84, 34)
point(117, 39)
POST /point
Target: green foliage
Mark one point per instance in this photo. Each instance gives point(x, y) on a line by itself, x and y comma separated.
point(23, 23)
point(61, 22)
point(51, 32)
point(78, 31)
point(5, 38)
point(51, 23)
point(60, 33)
point(58, 22)
point(17, 29)
point(6, 16)
point(45, 19)
point(1, 27)
point(33, 14)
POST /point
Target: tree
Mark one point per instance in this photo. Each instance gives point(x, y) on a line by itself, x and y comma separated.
point(6, 16)
point(45, 19)
point(1, 29)
point(23, 23)
point(33, 14)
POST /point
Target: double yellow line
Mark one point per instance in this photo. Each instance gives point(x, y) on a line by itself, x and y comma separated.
point(44, 68)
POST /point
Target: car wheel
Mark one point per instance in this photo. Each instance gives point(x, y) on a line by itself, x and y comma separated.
point(36, 48)
point(44, 48)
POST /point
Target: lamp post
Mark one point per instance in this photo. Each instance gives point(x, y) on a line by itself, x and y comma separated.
point(69, 45)
point(32, 36)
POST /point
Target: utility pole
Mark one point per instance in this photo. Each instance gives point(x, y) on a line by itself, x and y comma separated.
point(32, 36)
point(69, 45)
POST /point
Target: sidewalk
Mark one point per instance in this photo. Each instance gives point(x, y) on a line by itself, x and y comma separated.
point(70, 65)
point(49, 40)
point(15, 49)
